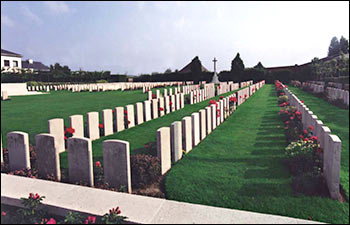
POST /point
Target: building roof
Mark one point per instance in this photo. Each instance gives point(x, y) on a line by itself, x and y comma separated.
point(35, 65)
point(187, 69)
point(8, 53)
point(278, 68)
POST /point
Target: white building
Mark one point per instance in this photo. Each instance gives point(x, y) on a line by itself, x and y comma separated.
point(10, 61)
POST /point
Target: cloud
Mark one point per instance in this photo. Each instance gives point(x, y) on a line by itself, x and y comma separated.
point(30, 15)
point(57, 6)
point(6, 21)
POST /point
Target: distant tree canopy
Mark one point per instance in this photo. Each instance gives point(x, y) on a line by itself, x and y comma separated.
point(168, 70)
point(336, 47)
point(259, 66)
point(237, 67)
point(60, 73)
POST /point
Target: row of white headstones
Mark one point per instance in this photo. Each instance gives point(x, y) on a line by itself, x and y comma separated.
point(182, 136)
point(332, 93)
point(330, 143)
point(105, 86)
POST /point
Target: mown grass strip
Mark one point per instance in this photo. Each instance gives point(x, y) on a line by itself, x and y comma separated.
point(241, 165)
point(31, 113)
point(337, 120)
point(145, 133)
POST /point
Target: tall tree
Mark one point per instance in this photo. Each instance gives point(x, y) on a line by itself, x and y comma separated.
point(344, 45)
point(168, 70)
point(334, 47)
point(259, 66)
point(237, 68)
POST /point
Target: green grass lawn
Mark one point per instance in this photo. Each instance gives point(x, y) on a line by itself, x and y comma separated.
point(143, 134)
point(31, 113)
point(337, 120)
point(241, 165)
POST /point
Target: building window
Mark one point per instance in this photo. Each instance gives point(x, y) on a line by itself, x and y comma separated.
point(7, 62)
point(15, 63)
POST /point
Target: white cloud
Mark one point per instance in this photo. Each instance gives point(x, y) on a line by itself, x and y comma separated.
point(57, 6)
point(6, 21)
point(30, 15)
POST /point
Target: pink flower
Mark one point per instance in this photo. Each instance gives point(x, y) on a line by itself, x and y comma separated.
point(314, 138)
point(311, 127)
point(292, 118)
point(306, 139)
point(51, 221)
point(98, 164)
point(3, 213)
point(305, 131)
point(90, 220)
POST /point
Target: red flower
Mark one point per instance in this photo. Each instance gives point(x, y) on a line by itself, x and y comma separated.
point(116, 210)
point(100, 125)
point(306, 139)
point(301, 136)
point(125, 112)
point(170, 103)
point(219, 87)
point(245, 95)
point(128, 122)
point(70, 130)
point(314, 138)
point(298, 113)
point(305, 131)
point(65, 138)
point(98, 164)
point(146, 146)
point(311, 127)
point(302, 101)
point(51, 221)
point(221, 97)
point(161, 109)
point(90, 220)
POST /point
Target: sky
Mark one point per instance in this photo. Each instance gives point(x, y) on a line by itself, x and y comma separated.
point(143, 37)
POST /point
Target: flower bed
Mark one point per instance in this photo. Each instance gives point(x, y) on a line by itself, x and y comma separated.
point(304, 153)
point(33, 212)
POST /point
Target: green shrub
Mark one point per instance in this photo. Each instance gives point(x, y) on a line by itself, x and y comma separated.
point(282, 99)
point(101, 81)
point(145, 170)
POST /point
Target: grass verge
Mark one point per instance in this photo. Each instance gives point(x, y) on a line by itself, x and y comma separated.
point(241, 165)
point(337, 120)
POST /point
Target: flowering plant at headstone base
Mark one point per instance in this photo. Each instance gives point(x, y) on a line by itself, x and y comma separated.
point(34, 213)
point(232, 103)
point(31, 173)
point(282, 99)
point(126, 120)
point(68, 132)
point(101, 128)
